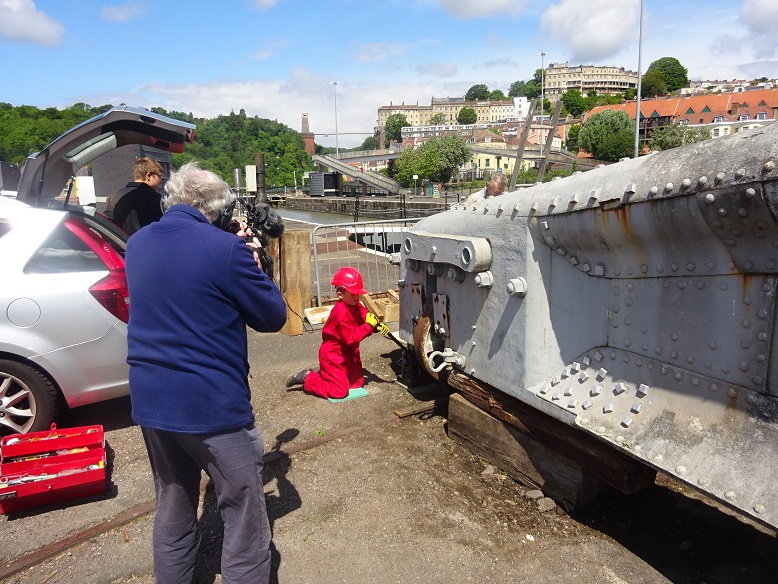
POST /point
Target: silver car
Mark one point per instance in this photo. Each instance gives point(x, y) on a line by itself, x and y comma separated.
point(64, 300)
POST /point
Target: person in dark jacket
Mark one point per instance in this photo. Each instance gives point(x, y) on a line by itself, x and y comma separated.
point(194, 288)
point(139, 203)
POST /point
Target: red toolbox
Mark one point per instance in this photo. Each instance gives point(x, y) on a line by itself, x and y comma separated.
point(47, 467)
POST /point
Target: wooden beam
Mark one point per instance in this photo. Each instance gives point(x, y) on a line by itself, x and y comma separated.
point(615, 467)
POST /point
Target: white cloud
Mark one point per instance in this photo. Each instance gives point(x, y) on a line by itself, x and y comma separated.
point(20, 20)
point(264, 4)
point(591, 31)
point(377, 52)
point(467, 9)
point(761, 20)
point(120, 13)
point(439, 69)
point(263, 54)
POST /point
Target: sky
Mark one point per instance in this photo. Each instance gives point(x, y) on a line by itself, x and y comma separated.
point(278, 59)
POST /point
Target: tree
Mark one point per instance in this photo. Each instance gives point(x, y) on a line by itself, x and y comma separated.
point(477, 92)
point(393, 127)
point(571, 143)
point(608, 135)
point(574, 102)
point(435, 160)
point(497, 95)
point(370, 143)
point(438, 119)
point(652, 84)
point(671, 71)
point(630, 94)
point(676, 135)
point(467, 115)
point(529, 89)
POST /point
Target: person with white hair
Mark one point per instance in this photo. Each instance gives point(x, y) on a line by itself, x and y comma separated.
point(494, 187)
point(194, 288)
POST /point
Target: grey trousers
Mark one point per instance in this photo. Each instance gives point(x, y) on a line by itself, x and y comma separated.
point(233, 461)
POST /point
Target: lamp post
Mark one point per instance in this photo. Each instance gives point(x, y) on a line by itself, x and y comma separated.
point(542, 54)
point(335, 88)
point(640, 88)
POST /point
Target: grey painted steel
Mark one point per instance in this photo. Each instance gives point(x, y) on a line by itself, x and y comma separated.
point(373, 179)
point(635, 302)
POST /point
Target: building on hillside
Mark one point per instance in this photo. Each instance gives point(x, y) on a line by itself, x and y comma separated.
point(560, 77)
point(720, 113)
point(486, 111)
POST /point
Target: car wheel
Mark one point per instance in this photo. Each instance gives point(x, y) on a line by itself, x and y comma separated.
point(28, 399)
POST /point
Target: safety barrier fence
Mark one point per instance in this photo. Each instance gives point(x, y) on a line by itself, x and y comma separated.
point(372, 247)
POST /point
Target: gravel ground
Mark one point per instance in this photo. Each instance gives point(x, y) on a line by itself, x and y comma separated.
point(389, 500)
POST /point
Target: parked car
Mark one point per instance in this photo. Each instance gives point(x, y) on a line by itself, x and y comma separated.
point(64, 302)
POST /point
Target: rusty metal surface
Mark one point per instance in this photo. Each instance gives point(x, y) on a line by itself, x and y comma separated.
point(666, 267)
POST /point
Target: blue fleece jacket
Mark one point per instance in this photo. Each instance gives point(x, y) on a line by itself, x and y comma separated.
point(193, 289)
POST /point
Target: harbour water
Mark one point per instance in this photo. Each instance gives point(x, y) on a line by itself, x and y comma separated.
point(312, 217)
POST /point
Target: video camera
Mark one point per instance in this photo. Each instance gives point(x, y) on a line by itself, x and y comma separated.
point(266, 224)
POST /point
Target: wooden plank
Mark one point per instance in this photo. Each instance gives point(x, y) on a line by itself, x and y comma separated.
point(393, 295)
point(389, 309)
point(294, 265)
point(613, 466)
point(372, 305)
point(417, 409)
point(521, 456)
point(294, 313)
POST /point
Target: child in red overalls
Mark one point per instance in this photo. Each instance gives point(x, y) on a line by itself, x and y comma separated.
point(340, 365)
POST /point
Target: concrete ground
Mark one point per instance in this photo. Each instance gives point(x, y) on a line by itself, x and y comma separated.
point(369, 497)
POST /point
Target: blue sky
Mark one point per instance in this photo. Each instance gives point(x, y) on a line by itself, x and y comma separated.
point(278, 58)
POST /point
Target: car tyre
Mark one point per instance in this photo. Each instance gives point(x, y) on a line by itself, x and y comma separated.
point(28, 400)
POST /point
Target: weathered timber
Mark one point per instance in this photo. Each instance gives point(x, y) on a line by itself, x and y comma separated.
point(521, 456)
point(422, 408)
point(616, 468)
point(294, 259)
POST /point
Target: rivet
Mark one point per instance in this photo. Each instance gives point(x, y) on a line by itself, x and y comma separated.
point(731, 242)
point(725, 369)
point(703, 481)
point(720, 176)
point(680, 469)
point(617, 272)
point(723, 212)
point(682, 285)
point(658, 350)
point(745, 343)
point(766, 287)
point(639, 362)
point(644, 268)
point(664, 369)
point(695, 381)
point(748, 265)
point(762, 336)
point(713, 346)
point(674, 336)
point(613, 355)
point(711, 265)
point(674, 354)
point(708, 363)
point(628, 319)
point(731, 393)
point(761, 358)
point(743, 366)
point(769, 165)
point(645, 346)
point(770, 264)
point(678, 376)
point(620, 439)
point(629, 271)
point(717, 223)
point(674, 267)
point(750, 193)
point(723, 286)
point(762, 313)
point(626, 358)
point(747, 300)
point(650, 365)
point(660, 268)
point(690, 266)
point(472, 372)
point(731, 495)
point(742, 212)
point(714, 388)
point(740, 172)
point(710, 198)
point(601, 429)
point(746, 323)
point(759, 508)
point(757, 380)
point(653, 190)
point(666, 283)
point(669, 187)
point(687, 182)
point(701, 284)
point(644, 329)
point(659, 458)
point(751, 398)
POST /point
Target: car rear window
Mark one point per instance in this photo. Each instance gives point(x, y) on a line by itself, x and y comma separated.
point(5, 227)
point(64, 251)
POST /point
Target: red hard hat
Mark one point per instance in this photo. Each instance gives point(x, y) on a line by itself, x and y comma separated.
point(350, 279)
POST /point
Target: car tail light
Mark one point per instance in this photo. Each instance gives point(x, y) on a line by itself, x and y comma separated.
point(111, 292)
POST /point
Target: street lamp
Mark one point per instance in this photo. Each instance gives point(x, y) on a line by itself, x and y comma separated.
point(335, 88)
point(542, 54)
point(637, 103)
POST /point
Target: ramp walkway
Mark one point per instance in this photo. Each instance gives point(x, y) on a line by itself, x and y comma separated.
point(373, 179)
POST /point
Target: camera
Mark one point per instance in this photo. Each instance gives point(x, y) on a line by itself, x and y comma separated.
point(266, 224)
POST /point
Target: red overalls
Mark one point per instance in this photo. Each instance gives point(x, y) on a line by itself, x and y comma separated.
point(340, 365)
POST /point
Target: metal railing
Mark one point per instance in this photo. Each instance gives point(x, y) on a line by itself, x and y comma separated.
point(372, 247)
